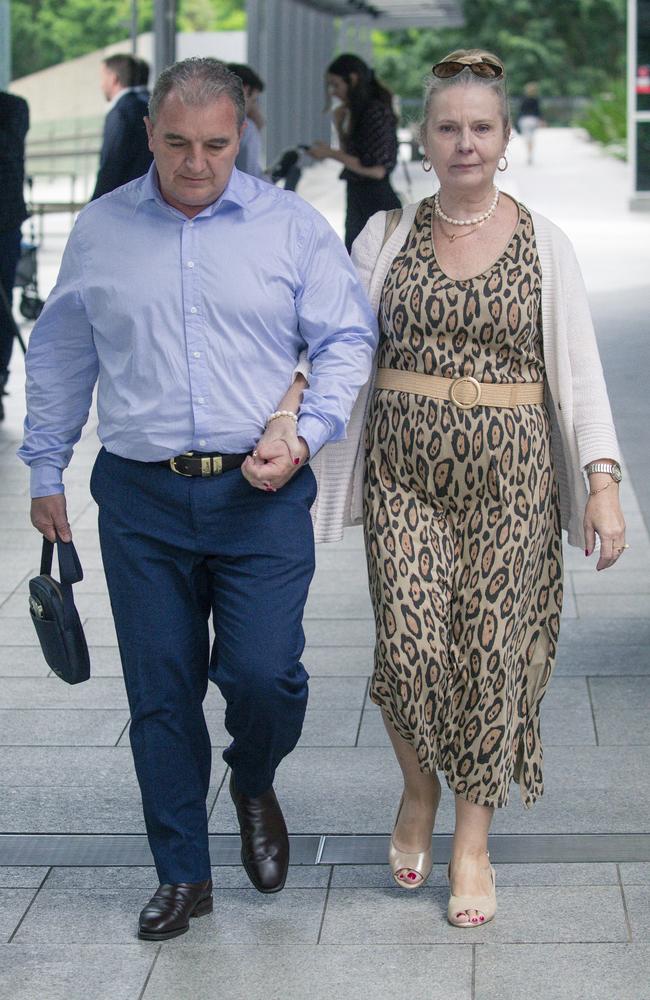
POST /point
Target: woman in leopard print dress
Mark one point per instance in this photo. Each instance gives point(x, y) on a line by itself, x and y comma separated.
point(461, 506)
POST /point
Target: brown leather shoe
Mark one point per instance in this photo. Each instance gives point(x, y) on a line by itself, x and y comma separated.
point(168, 912)
point(264, 837)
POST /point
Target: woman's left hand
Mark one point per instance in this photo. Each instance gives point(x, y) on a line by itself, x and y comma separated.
point(320, 151)
point(604, 517)
point(278, 455)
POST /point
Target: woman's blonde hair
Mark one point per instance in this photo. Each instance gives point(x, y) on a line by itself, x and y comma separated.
point(434, 85)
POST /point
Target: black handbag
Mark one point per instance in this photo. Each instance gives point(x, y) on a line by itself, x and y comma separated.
point(56, 619)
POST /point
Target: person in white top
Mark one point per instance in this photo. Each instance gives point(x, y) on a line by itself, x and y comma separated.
point(485, 419)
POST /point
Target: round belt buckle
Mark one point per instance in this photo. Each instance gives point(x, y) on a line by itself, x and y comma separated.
point(468, 380)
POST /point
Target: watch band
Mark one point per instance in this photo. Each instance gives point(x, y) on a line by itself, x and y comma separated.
point(612, 469)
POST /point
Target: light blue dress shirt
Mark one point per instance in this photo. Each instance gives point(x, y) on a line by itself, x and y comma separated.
point(192, 327)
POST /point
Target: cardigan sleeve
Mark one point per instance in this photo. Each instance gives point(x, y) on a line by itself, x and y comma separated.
point(592, 414)
point(366, 247)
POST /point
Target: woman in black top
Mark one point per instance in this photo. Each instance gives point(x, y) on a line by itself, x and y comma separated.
point(366, 125)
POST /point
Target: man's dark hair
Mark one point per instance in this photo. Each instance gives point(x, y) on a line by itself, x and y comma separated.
point(248, 76)
point(124, 68)
point(141, 72)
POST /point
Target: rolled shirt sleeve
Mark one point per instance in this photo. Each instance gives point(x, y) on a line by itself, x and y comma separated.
point(340, 331)
point(62, 368)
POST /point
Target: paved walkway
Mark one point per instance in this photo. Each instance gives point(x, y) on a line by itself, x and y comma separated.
point(574, 914)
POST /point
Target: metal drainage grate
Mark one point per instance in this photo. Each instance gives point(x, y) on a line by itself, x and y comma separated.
point(330, 849)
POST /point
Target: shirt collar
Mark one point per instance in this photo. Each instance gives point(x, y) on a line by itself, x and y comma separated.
point(233, 194)
point(118, 97)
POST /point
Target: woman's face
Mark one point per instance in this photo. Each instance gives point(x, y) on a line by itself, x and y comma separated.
point(465, 137)
point(337, 87)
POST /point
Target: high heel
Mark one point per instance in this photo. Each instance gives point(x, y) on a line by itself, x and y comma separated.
point(414, 862)
point(486, 905)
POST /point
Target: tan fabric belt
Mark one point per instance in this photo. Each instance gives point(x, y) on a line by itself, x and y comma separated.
point(465, 392)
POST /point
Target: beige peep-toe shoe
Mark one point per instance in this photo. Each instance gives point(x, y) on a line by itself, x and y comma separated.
point(414, 863)
point(486, 905)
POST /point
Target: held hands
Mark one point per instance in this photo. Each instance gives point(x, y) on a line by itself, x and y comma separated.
point(50, 516)
point(278, 456)
point(604, 517)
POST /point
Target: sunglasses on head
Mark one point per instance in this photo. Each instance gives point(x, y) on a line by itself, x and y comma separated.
point(448, 68)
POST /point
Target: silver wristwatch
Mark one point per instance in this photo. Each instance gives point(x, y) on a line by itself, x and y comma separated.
point(613, 469)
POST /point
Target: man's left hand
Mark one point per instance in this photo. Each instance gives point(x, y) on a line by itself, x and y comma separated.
point(278, 456)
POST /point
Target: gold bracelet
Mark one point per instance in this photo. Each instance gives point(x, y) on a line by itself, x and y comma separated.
point(593, 493)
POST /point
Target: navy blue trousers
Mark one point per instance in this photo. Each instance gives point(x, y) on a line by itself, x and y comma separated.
point(175, 551)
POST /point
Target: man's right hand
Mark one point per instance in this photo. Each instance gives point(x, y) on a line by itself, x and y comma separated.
point(50, 517)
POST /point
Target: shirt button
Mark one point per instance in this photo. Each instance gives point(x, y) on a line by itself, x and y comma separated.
point(190, 224)
point(190, 263)
point(194, 309)
point(196, 354)
point(201, 399)
point(202, 442)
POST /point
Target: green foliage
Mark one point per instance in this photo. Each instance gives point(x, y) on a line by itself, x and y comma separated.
point(606, 117)
point(46, 32)
point(570, 47)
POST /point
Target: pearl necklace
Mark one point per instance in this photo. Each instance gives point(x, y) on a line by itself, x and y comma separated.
point(465, 222)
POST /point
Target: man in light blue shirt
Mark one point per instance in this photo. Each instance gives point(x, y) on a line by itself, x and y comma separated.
point(187, 295)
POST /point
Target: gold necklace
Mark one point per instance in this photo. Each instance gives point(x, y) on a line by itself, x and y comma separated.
point(452, 237)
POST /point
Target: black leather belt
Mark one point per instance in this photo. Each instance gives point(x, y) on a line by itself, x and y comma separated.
point(197, 463)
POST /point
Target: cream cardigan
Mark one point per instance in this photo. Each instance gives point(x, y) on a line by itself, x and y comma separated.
point(582, 429)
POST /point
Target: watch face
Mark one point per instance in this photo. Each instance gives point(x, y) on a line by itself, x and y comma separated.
point(617, 475)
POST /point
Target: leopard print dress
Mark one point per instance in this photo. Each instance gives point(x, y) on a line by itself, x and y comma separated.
point(462, 522)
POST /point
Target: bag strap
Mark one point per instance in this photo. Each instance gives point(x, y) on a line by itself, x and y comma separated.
point(69, 565)
point(393, 219)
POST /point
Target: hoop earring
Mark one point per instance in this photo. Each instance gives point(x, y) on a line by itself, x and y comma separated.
point(500, 167)
point(426, 168)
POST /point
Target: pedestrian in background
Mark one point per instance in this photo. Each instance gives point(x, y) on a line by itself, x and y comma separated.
point(530, 118)
point(249, 158)
point(14, 125)
point(141, 71)
point(366, 125)
point(125, 152)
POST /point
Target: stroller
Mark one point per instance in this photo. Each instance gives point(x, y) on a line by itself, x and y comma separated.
point(289, 167)
point(31, 304)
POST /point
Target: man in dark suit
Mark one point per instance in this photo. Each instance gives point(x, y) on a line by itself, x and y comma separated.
point(14, 123)
point(141, 80)
point(125, 150)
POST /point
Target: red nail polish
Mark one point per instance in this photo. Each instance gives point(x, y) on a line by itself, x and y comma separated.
point(296, 461)
point(586, 552)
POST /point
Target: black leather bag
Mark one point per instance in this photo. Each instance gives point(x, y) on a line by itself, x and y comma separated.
point(55, 616)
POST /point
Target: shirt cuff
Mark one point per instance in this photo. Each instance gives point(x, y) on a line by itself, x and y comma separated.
point(45, 480)
point(315, 432)
point(303, 366)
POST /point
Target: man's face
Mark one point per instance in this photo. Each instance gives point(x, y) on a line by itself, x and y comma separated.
point(252, 98)
point(108, 82)
point(194, 149)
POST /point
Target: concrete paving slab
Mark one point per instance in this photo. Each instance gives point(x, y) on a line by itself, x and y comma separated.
point(637, 898)
point(335, 606)
point(340, 632)
point(88, 972)
point(632, 582)
point(576, 658)
point(67, 916)
point(635, 873)
point(61, 727)
point(19, 877)
point(23, 661)
point(563, 971)
point(342, 972)
point(13, 904)
point(525, 914)
point(328, 728)
point(51, 692)
point(142, 877)
point(59, 767)
point(325, 661)
point(621, 710)
point(621, 605)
